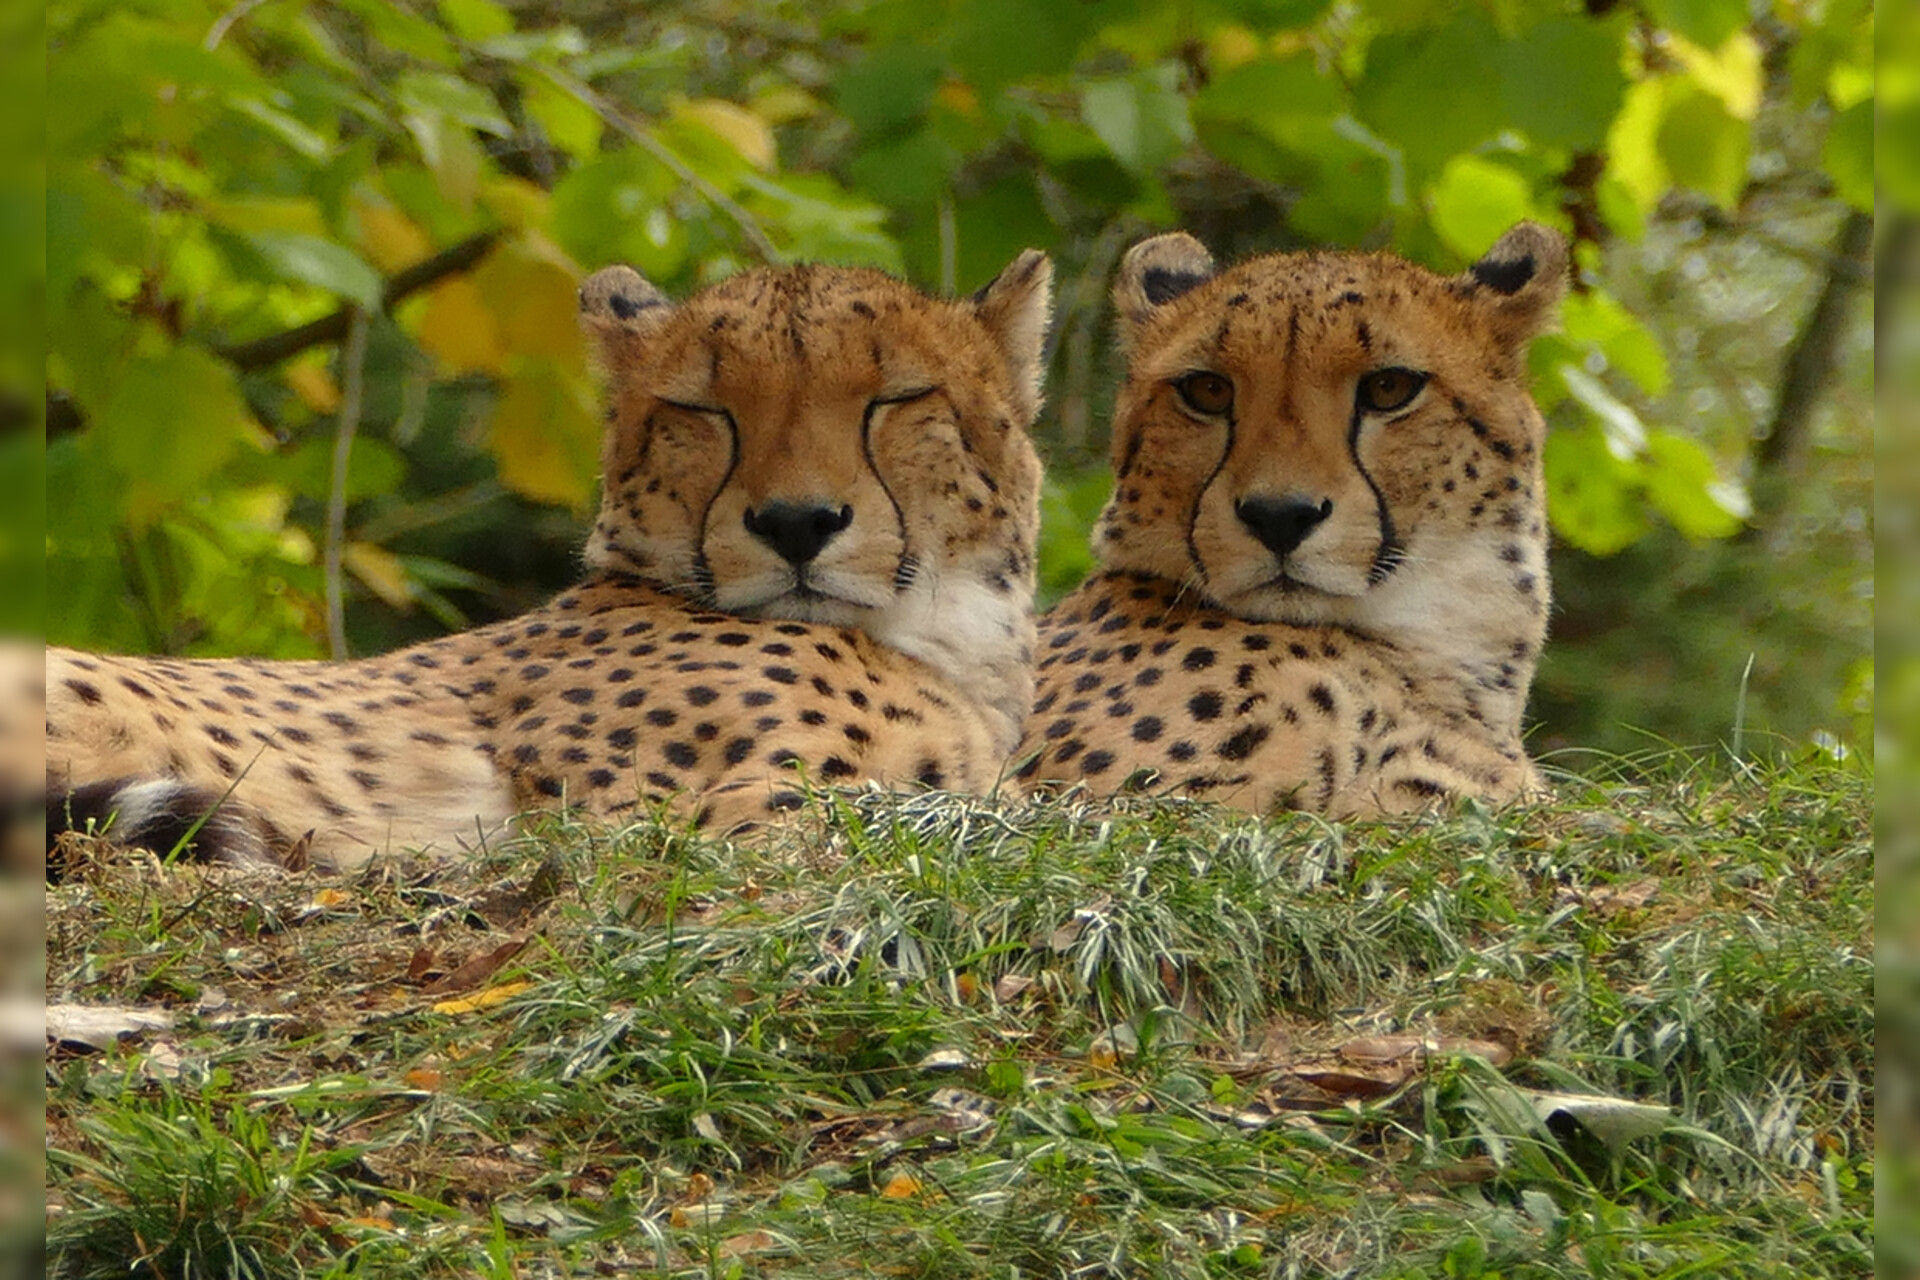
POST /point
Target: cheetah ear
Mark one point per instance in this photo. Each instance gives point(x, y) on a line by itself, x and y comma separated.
point(1016, 308)
point(617, 303)
point(1154, 273)
point(1522, 279)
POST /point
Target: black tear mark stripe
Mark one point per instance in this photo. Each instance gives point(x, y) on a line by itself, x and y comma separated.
point(1389, 548)
point(899, 516)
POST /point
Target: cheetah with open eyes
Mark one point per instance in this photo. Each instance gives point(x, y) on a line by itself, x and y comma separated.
point(814, 561)
point(1323, 571)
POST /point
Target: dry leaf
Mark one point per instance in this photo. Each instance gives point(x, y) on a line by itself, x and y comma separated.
point(1011, 985)
point(1357, 1082)
point(465, 977)
point(747, 1242)
point(485, 1000)
point(420, 964)
point(688, 1216)
point(901, 1186)
point(427, 1078)
point(99, 1025)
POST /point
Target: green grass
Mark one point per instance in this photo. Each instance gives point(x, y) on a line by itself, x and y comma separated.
point(937, 1037)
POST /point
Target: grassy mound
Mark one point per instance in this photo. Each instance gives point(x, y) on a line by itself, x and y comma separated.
point(1626, 1034)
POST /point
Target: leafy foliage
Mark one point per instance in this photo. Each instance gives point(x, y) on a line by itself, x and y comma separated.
point(220, 177)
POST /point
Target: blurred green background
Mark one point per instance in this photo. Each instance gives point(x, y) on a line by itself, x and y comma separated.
point(228, 185)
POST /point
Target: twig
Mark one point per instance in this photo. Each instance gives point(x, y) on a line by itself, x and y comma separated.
point(276, 347)
point(1816, 350)
point(353, 362)
point(755, 235)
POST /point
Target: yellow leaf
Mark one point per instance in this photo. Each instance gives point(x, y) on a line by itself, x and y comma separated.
point(313, 385)
point(381, 571)
point(901, 1186)
point(458, 328)
point(1730, 73)
point(1230, 45)
point(266, 213)
point(483, 1000)
point(958, 97)
point(389, 238)
point(784, 104)
point(546, 434)
point(332, 898)
point(532, 290)
point(518, 203)
point(424, 1078)
point(744, 132)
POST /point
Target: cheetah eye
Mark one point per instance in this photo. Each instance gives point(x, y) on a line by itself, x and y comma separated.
point(1206, 393)
point(1385, 390)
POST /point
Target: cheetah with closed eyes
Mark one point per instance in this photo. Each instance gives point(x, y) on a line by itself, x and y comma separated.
point(1322, 577)
point(813, 562)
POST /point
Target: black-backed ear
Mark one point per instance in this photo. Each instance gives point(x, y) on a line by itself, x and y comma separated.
point(615, 303)
point(1016, 308)
point(1154, 273)
point(1523, 278)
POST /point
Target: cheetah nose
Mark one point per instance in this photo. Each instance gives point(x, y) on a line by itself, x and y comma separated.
point(1282, 524)
point(797, 530)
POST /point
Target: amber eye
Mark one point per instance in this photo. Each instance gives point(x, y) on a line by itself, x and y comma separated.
point(1385, 390)
point(1208, 393)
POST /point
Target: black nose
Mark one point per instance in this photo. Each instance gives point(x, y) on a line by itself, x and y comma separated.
point(797, 530)
point(1282, 523)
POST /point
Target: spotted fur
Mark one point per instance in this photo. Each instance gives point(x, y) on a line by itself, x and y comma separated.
point(813, 566)
point(1323, 577)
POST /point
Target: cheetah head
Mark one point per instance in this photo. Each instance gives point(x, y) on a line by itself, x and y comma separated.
point(1335, 438)
point(828, 445)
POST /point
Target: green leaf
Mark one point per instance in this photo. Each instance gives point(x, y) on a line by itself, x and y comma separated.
point(613, 208)
point(1591, 494)
point(1707, 23)
point(571, 124)
point(1561, 82)
point(433, 93)
point(320, 263)
point(1434, 93)
point(170, 423)
point(1142, 118)
point(375, 467)
point(1849, 155)
point(1702, 146)
point(905, 171)
point(1685, 487)
point(822, 221)
point(1474, 201)
point(999, 41)
point(1620, 426)
point(1595, 317)
point(475, 19)
point(404, 31)
point(888, 89)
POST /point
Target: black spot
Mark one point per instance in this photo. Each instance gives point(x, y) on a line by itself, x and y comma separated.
point(738, 750)
point(1321, 697)
point(663, 717)
point(1086, 683)
point(1097, 762)
point(835, 767)
point(781, 675)
point(1059, 729)
point(785, 801)
point(621, 739)
point(700, 696)
point(755, 698)
point(1147, 728)
point(1242, 744)
point(681, 754)
point(1255, 643)
point(578, 697)
point(1147, 676)
point(733, 639)
point(631, 698)
point(1182, 751)
point(601, 778)
point(1197, 659)
point(1204, 706)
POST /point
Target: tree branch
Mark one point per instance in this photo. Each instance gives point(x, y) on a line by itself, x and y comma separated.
point(1816, 350)
point(276, 347)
